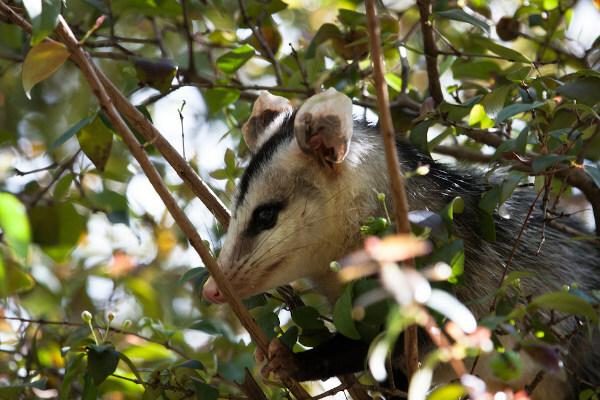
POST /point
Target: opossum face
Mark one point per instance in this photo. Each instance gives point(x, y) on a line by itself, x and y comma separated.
point(287, 222)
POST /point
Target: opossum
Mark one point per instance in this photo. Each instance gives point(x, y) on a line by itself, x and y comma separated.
point(310, 185)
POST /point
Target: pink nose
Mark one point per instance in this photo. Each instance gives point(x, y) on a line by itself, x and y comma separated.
point(212, 293)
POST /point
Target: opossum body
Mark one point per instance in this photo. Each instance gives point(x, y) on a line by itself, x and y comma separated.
point(310, 185)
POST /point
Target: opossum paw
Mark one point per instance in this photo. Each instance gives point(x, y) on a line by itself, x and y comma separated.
point(280, 360)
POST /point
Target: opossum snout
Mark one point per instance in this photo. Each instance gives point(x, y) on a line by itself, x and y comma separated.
point(212, 293)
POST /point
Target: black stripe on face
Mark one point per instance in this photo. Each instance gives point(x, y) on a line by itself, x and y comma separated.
point(264, 155)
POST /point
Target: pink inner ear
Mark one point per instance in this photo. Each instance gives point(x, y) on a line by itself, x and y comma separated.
point(315, 142)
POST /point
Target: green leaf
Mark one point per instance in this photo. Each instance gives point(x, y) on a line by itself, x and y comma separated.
point(57, 228)
point(585, 90)
point(158, 74)
point(418, 135)
point(44, 20)
point(72, 131)
point(268, 321)
point(457, 205)
point(474, 69)
point(14, 225)
point(565, 302)
point(490, 199)
point(13, 279)
point(214, 327)
point(131, 366)
point(458, 14)
point(478, 115)
point(550, 4)
point(351, 18)
point(505, 52)
point(452, 391)
point(342, 314)
point(307, 317)
point(204, 391)
point(96, 141)
point(192, 364)
point(515, 109)
point(233, 369)
point(594, 173)
point(509, 185)
point(394, 81)
point(325, 32)
point(102, 362)
point(290, 337)
point(544, 162)
point(507, 366)
point(74, 368)
point(219, 98)
point(90, 392)
point(494, 101)
point(41, 61)
point(199, 273)
point(234, 59)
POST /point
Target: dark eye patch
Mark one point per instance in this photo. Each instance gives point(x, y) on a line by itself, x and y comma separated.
point(264, 217)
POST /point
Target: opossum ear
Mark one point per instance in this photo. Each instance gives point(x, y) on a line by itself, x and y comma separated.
point(323, 126)
point(264, 119)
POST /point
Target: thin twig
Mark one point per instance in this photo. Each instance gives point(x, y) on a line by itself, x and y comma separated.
point(266, 49)
point(516, 244)
point(42, 321)
point(63, 167)
point(301, 69)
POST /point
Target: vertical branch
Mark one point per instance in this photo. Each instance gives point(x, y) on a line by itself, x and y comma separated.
point(431, 52)
point(188, 36)
point(396, 179)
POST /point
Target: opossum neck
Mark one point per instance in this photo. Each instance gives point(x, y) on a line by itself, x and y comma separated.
point(362, 176)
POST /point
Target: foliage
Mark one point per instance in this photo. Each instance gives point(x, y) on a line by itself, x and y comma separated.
point(81, 229)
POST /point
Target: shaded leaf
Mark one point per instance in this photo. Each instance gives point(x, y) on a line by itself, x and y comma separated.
point(507, 366)
point(57, 228)
point(585, 90)
point(72, 131)
point(44, 17)
point(342, 314)
point(102, 362)
point(204, 391)
point(458, 14)
point(325, 32)
point(542, 163)
point(565, 302)
point(96, 141)
point(514, 109)
point(41, 61)
point(158, 74)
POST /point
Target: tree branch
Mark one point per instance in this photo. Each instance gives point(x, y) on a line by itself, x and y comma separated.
point(91, 75)
point(431, 52)
point(393, 165)
point(263, 43)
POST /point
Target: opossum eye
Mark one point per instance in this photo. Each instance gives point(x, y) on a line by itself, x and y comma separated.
point(264, 217)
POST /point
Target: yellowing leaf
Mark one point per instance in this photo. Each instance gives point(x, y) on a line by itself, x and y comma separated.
point(42, 61)
point(95, 140)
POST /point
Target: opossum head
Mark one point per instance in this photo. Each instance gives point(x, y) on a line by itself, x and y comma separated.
point(295, 201)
